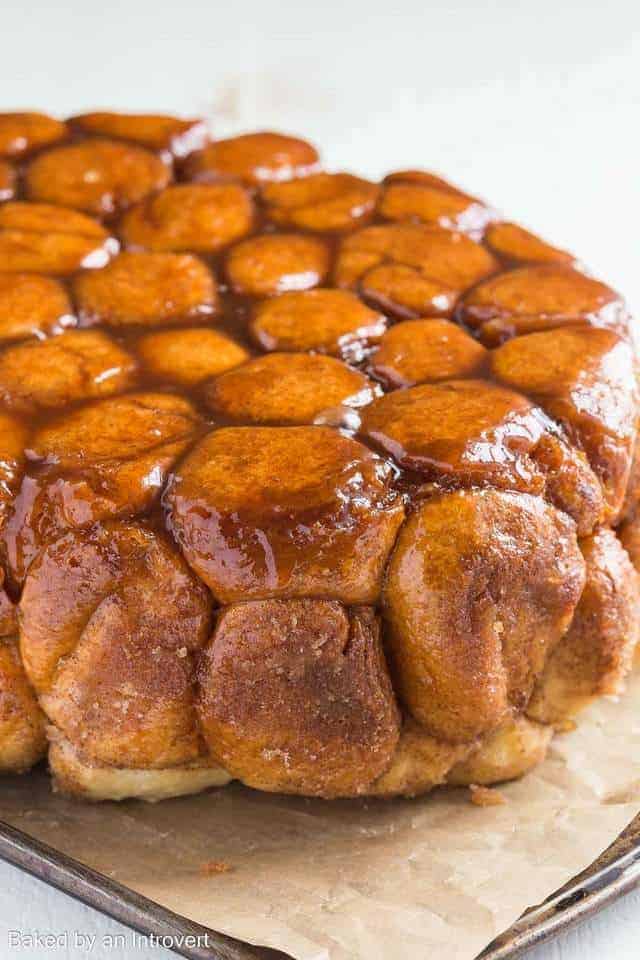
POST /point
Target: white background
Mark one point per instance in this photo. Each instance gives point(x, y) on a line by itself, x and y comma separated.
point(534, 105)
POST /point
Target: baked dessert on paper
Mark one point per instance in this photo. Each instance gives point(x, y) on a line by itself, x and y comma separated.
point(326, 485)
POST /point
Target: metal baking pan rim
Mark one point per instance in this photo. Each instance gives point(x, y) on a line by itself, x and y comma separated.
point(575, 902)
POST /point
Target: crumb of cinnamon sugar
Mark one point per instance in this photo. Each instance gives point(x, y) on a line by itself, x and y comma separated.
point(212, 867)
point(486, 796)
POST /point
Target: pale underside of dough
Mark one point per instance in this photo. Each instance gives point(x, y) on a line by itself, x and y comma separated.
point(76, 776)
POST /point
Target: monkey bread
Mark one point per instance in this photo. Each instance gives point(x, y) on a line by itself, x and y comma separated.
point(326, 485)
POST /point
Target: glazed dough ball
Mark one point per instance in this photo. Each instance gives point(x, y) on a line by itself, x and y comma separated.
point(411, 269)
point(7, 181)
point(22, 739)
point(517, 746)
point(189, 356)
point(595, 655)
point(632, 493)
point(323, 321)
point(121, 429)
point(75, 775)
point(426, 179)
point(101, 177)
point(538, 297)
point(77, 365)
point(324, 202)
point(584, 377)
point(419, 763)
point(131, 426)
point(20, 133)
point(284, 511)
point(629, 534)
point(111, 621)
point(201, 218)
point(107, 459)
point(41, 238)
point(475, 432)
point(481, 586)
point(284, 388)
point(49, 218)
point(13, 440)
point(471, 428)
point(422, 351)
point(22, 723)
point(276, 263)
point(422, 197)
point(515, 245)
point(8, 613)
point(295, 697)
point(253, 157)
point(147, 289)
point(170, 136)
point(31, 306)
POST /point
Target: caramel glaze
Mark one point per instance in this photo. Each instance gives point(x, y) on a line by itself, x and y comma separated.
point(562, 435)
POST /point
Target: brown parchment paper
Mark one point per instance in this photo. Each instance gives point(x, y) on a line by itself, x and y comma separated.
point(434, 877)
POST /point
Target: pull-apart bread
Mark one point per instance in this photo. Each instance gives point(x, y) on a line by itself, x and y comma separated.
point(326, 485)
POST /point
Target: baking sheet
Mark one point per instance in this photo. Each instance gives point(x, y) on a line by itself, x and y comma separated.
point(616, 872)
point(431, 877)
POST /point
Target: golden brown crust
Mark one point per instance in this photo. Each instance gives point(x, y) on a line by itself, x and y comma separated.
point(22, 723)
point(49, 218)
point(464, 432)
point(411, 269)
point(276, 263)
point(14, 436)
point(325, 321)
point(295, 697)
point(21, 133)
point(632, 493)
point(629, 534)
point(107, 459)
point(147, 289)
point(419, 764)
point(516, 246)
point(595, 655)
point(538, 297)
point(99, 176)
point(110, 623)
point(40, 237)
point(77, 365)
point(426, 351)
point(509, 752)
point(584, 377)
point(8, 612)
point(472, 428)
point(115, 430)
point(7, 181)
point(425, 178)
point(189, 356)
point(324, 202)
point(284, 388)
point(480, 587)
point(158, 132)
point(284, 511)
point(428, 201)
point(253, 157)
point(201, 218)
point(31, 305)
